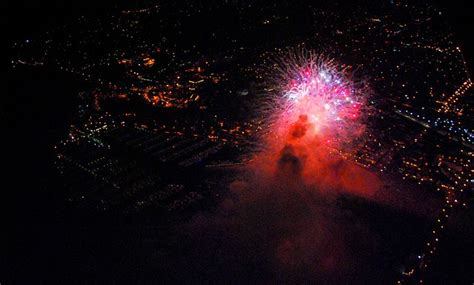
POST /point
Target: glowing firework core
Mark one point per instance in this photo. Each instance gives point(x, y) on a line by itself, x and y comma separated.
point(320, 91)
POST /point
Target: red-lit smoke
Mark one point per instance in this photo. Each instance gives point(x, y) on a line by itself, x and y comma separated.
point(281, 222)
point(317, 110)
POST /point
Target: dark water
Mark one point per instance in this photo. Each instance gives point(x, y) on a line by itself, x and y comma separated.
point(41, 105)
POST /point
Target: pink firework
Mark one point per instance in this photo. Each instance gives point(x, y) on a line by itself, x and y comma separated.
point(319, 91)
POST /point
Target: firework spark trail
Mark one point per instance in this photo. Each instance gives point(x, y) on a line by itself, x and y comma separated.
point(309, 84)
point(314, 109)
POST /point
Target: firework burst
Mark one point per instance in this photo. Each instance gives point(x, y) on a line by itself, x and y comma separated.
point(310, 88)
